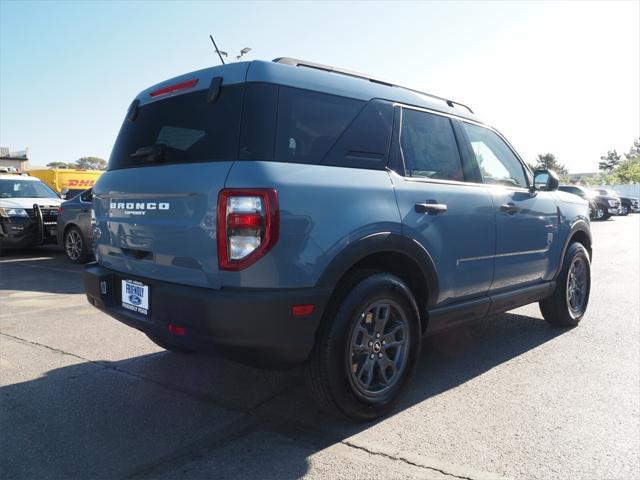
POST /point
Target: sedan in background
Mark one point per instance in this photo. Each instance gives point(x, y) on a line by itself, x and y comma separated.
point(74, 227)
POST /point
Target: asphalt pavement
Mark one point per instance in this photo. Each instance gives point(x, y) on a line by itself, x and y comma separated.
point(82, 396)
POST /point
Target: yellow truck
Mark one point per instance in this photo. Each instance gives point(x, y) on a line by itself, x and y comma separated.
point(68, 182)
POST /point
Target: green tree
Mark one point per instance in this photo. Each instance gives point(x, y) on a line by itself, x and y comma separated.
point(609, 161)
point(628, 171)
point(57, 165)
point(548, 161)
point(634, 151)
point(91, 163)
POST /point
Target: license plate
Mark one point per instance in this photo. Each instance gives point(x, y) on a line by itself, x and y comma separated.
point(135, 296)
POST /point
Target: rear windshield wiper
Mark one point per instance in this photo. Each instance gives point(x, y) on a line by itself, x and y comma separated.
point(153, 153)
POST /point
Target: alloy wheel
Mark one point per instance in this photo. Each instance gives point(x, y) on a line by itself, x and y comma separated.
point(73, 245)
point(576, 289)
point(378, 348)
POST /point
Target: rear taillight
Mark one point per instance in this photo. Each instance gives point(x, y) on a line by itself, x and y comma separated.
point(248, 226)
point(60, 210)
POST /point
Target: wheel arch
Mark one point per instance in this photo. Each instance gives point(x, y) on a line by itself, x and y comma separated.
point(581, 233)
point(392, 253)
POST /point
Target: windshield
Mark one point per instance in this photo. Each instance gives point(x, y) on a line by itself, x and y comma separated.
point(10, 188)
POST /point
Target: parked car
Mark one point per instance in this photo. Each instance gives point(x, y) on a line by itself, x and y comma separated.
point(612, 198)
point(28, 212)
point(585, 194)
point(284, 212)
point(629, 204)
point(74, 227)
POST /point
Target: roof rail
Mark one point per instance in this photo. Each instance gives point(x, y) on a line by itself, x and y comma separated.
point(327, 68)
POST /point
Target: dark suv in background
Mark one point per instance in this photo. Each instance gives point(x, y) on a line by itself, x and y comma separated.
point(629, 205)
point(602, 203)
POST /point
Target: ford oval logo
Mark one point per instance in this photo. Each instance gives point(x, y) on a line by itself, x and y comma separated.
point(135, 299)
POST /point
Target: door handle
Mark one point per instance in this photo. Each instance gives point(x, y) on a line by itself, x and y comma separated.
point(431, 208)
point(509, 208)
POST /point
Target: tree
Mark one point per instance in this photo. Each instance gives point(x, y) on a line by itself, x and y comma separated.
point(548, 162)
point(634, 151)
point(58, 165)
point(628, 171)
point(610, 161)
point(91, 163)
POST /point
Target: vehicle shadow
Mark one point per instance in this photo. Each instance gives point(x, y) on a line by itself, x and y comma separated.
point(184, 416)
point(42, 269)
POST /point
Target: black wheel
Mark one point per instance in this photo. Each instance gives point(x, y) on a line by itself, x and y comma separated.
point(75, 246)
point(568, 303)
point(624, 211)
point(172, 347)
point(366, 348)
point(600, 213)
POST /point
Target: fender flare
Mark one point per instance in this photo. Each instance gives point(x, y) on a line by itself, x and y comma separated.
point(577, 226)
point(378, 243)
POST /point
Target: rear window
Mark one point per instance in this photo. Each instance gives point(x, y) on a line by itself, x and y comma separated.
point(181, 129)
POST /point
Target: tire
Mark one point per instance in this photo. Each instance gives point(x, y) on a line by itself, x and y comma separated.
point(568, 303)
point(624, 211)
point(172, 347)
point(600, 213)
point(352, 371)
point(75, 246)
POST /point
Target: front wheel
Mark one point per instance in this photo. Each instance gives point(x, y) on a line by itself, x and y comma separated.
point(624, 211)
point(568, 303)
point(600, 213)
point(366, 349)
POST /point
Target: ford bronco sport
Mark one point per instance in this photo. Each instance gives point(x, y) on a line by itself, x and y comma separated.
point(287, 212)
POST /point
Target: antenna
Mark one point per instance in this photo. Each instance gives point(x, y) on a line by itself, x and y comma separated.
point(218, 51)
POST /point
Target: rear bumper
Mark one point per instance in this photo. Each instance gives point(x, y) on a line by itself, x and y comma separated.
point(255, 327)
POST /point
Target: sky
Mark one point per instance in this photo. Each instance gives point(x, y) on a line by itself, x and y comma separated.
point(552, 77)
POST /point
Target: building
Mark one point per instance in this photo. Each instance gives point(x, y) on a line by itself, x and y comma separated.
point(18, 160)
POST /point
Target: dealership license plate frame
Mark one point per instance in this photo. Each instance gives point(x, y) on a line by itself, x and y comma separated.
point(135, 296)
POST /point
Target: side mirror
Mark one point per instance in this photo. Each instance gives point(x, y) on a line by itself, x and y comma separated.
point(545, 180)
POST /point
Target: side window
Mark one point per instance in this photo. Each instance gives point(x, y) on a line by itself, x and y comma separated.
point(429, 146)
point(87, 196)
point(497, 163)
point(366, 141)
point(309, 123)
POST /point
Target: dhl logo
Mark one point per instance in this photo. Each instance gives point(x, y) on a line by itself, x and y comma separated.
point(80, 183)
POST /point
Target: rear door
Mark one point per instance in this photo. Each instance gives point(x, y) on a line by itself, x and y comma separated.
point(156, 205)
point(440, 206)
point(526, 221)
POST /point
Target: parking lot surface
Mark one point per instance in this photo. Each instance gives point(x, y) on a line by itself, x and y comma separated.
point(511, 397)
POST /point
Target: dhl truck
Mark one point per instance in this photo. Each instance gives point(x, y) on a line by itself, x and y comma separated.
point(68, 182)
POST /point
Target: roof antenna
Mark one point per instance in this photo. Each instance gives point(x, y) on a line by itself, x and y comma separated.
point(219, 52)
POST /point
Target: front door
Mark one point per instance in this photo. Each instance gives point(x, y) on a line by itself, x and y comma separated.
point(526, 221)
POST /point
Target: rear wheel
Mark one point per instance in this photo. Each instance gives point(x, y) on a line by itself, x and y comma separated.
point(366, 348)
point(568, 303)
point(172, 347)
point(75, 246)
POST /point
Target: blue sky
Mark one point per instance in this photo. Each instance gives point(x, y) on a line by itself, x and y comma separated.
point(553, 77)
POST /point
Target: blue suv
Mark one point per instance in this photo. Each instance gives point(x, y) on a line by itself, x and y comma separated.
point(287, 212)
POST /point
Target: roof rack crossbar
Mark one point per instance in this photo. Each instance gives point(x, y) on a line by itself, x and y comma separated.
point(327, 68)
